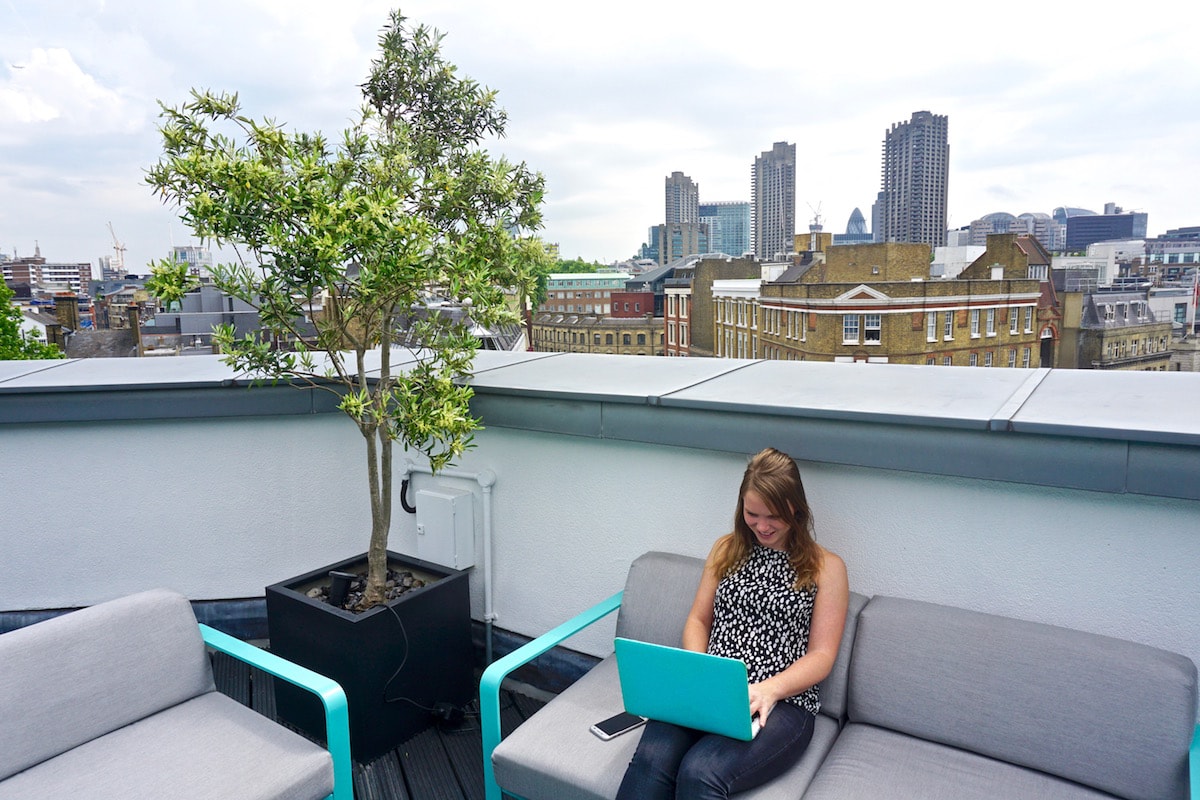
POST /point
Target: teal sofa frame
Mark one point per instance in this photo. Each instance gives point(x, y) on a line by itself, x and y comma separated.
point(333, 698)
point(494, 675)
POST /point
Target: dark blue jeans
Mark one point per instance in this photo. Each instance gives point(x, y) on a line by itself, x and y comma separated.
point(674, 763)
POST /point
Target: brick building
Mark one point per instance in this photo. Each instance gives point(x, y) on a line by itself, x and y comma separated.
point(592, 333)
point(875, 303)
point(688, 313)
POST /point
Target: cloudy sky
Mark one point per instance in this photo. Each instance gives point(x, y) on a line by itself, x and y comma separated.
point(1050, 104)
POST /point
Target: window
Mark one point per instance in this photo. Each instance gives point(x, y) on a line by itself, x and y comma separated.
point(974, 323)
point(608, 338)
point(931, 326)
point(1013, 320)
point(641, 338)
point(991, 322)
point(684, 303)
point(987, 358)
point(1029, 319)
point(625, 339)
point(930, 360)
point(637, 307)
point(670, 333)
point(596, 339)
point(1025, 358)
point(804, 326)
point(1038, 271)
point(872, 328)
point(850, 329)
point(974, 360)
point(1012, 357)
point(683, 334)
point(948, 325)
point(947, 361)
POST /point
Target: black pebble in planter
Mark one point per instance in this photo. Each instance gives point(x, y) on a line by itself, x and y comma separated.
point(417, 649)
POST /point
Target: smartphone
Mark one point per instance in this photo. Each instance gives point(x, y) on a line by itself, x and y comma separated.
point(616, 725)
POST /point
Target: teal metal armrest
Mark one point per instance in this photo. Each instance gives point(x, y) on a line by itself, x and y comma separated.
point(494, 675)
point(337, 717)
point(1194, 763)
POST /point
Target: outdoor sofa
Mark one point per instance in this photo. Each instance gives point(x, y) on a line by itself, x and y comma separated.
point(925, 701)
point(117, 701)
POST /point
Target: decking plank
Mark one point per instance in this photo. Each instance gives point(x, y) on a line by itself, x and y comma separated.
point(433, 765)
point(262, 693)
point(232, 677)
point(382, 779)
point(427, 768)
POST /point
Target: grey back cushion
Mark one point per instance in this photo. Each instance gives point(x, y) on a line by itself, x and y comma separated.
point(659, 591)
point(658, 595)
point(76, 677)
point(1103, 712)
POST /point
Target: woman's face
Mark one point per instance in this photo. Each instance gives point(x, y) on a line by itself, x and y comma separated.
point(769, 530)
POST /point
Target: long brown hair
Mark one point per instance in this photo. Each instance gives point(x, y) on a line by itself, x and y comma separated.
point(774, 477)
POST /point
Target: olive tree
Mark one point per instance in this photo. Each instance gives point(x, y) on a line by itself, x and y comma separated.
point(169, 281)
point(342, 245)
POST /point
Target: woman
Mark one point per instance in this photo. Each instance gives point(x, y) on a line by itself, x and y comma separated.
point(774, 598)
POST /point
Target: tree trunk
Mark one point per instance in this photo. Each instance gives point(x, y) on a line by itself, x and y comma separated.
point(379, 477)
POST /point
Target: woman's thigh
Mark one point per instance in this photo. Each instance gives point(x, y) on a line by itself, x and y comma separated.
point(716, 766)
point(651, 773)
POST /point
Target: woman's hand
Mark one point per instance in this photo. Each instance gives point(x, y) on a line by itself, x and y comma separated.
point(763, 697)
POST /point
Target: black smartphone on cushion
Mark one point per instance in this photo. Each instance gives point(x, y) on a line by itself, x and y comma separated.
point(617, 724)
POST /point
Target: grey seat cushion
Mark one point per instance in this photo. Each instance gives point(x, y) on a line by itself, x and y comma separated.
point(1104, 712)
point(207, 748)
point(553, 756)
point(869, 763)
point(79, 676)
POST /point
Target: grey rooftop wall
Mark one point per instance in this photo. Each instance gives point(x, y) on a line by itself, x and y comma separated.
point(1122, 432)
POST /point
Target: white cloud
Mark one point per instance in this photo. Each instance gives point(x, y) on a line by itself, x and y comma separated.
point(50, 87)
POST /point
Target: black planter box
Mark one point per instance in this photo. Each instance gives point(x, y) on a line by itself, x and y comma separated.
point(416, 650)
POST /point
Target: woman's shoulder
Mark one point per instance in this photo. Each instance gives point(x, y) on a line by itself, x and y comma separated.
point(832, 569)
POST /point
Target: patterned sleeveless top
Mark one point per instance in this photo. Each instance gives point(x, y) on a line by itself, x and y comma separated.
point(759, 618)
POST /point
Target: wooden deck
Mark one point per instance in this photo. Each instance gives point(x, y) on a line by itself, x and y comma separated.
point(433, 765)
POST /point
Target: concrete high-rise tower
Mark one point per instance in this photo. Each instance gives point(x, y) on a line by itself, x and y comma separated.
point(912, 200)
point(773, 202)
point(682, 199)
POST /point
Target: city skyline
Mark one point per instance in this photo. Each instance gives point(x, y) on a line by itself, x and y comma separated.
point(1029, 130)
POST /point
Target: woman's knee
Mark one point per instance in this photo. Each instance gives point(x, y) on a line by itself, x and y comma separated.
point(703, 777)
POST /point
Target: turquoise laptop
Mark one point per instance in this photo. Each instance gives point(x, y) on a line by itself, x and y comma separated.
point(695, 690)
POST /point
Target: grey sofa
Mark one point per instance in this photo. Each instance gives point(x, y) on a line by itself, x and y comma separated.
point(117, 701)
point(925, 701)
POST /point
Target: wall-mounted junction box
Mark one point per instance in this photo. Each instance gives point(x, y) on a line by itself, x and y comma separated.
point(446, 526)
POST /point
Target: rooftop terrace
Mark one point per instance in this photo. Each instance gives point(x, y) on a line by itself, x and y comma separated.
point(1069, 497)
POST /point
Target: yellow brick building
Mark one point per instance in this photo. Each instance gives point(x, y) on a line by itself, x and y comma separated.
point(875, 303)
point(591, 333)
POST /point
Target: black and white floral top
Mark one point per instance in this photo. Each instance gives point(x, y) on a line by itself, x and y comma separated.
point(760, 618)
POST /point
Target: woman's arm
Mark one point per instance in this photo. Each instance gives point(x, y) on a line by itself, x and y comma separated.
point(700, 619)
point(824, 637)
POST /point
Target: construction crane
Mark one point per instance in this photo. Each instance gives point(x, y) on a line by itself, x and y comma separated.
point(118, 264)
point(816, 222)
